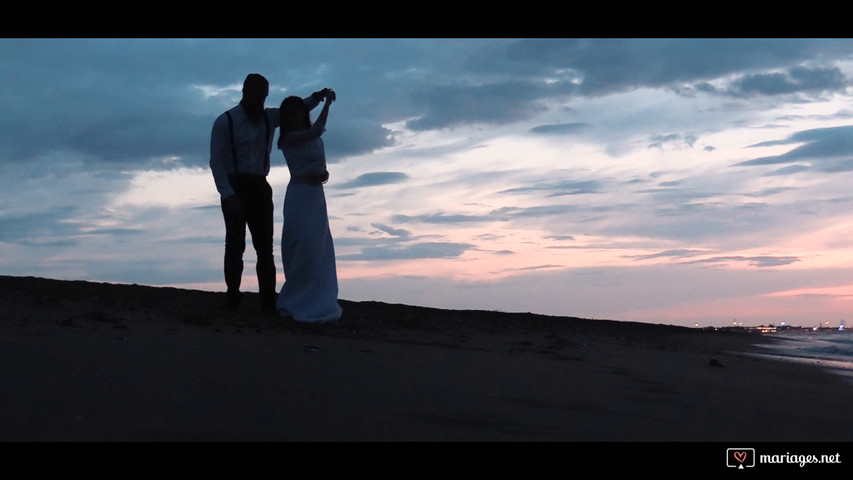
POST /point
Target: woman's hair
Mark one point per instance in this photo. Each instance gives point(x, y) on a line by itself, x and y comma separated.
point(285, 115)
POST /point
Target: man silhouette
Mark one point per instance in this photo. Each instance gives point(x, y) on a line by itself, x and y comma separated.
point(240, 144)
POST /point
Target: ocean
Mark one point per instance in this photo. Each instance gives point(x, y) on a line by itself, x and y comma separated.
point(831, 350)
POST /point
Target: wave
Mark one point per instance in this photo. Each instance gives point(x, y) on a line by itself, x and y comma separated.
point(831, 350)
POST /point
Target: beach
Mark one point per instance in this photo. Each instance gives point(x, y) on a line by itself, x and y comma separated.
point(88, 361)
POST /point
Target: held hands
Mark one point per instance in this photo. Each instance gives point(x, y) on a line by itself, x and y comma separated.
point(325, 94)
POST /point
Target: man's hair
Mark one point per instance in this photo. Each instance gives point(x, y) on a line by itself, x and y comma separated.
point(255, 80)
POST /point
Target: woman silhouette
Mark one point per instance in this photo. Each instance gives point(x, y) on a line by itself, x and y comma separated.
point(310, 291)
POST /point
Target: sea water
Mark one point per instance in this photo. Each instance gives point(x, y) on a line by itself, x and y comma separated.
point(831, 350)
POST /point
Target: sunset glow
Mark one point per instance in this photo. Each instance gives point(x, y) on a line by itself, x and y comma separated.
point(679, 181)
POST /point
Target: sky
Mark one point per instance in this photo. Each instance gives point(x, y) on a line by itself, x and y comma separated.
point(684, 181)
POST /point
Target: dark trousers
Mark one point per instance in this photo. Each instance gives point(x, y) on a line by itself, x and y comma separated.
point(255, 196)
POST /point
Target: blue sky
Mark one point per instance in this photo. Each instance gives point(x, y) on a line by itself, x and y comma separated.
point(679, 181)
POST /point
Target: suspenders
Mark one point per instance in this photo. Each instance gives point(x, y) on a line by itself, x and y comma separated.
point(234, 145)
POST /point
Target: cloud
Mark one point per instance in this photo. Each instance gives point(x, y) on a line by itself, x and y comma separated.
point(601, 66)
point(503, 214)
point(347, 137)
point(513, 80)
point(440, 218)
point(790, 170)
point(756, 261)
point(142, 139)
point(508, 213)
point(374, 179)
point(658, 141)
point(845, 165)
point(446, 106)
point(409, 252)
point(174, 271)
point(560, 188)
point(559, 237)
point(95, 99)
point(796, 80)
point(394, 232)
point(108, 109)
point(819, 145)
point(679, 253)
point(116, 231)
point(561, 128)
point(46, 228)
point(533, 268)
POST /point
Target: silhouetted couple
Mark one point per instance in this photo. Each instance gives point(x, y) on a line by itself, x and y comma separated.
point(240, 146)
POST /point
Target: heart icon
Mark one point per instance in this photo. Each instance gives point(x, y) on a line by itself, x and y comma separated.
point(740, 456)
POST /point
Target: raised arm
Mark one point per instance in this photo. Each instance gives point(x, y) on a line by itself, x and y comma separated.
point(311, 101)
point(298, 137)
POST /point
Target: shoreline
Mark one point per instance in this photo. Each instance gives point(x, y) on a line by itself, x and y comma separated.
point(829, 350)
point(105, 362)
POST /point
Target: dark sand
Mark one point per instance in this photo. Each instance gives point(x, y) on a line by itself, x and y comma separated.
point(102, 362)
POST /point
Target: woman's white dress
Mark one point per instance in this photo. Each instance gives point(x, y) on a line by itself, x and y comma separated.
point(310, 290)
